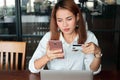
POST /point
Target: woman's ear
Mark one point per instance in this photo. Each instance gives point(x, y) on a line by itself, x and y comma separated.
point(78, 17)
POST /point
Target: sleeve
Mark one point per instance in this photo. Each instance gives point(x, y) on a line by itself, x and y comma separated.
point(91, 38)
point(39, 52)
point(89, 57)
point(88, 60)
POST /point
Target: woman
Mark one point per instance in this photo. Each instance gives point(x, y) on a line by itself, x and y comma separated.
point(67, 25)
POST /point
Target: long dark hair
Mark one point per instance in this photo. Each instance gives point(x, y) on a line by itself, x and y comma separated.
point(72, 7)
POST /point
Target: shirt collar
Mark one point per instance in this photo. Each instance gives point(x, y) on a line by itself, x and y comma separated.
point(63, 40)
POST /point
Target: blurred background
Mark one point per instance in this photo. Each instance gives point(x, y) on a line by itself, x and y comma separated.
point(28, 20)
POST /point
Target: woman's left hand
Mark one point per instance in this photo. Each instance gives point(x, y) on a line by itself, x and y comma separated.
point(90, 48)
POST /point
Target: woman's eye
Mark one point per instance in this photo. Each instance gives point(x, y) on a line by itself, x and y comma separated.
point(69, 19)
point(59, 20)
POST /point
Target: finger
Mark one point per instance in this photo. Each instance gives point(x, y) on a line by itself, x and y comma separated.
point(85, 45)
point(48, 46)
point(89, 46)
point(59, 55)
point(88, 50)
point(54, 56)
point(56, 51)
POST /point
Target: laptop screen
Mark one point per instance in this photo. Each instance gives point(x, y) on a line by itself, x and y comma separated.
point(66, 75)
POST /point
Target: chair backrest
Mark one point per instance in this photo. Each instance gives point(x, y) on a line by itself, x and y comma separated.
point(12, 55)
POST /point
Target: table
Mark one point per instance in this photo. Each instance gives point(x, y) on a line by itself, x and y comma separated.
point(18, 75)
point(26, 75)
point(108, 75)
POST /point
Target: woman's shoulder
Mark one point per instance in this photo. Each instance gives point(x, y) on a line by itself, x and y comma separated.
point(90, 33)
point(46, 36)
point(47, 33)
point(91, 37)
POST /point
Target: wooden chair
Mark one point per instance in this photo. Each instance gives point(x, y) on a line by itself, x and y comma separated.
point(12, 55)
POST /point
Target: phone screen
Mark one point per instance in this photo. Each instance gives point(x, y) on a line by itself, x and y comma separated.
point(55, 44)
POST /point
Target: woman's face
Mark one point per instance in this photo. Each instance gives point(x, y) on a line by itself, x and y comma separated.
point(66, 21)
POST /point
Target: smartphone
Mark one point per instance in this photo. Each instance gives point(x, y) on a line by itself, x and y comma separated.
point(56, 44)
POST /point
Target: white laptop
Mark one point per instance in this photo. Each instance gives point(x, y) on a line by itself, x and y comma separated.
point(65, 75)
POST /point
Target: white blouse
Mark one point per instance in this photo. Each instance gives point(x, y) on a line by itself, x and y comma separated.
point(73, 60)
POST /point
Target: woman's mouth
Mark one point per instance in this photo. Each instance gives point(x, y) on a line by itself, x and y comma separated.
point(66, 29)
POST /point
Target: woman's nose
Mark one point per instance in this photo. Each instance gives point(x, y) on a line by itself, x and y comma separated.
point(64, 23)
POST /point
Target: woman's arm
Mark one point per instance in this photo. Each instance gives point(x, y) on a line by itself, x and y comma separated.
point(96, 62)
point(39, 63)
point(50, 54)
point(93, 48)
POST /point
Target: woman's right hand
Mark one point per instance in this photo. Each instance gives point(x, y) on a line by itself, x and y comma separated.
point(53, 54)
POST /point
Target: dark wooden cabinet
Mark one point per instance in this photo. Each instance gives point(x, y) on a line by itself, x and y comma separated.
point(107, 29)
